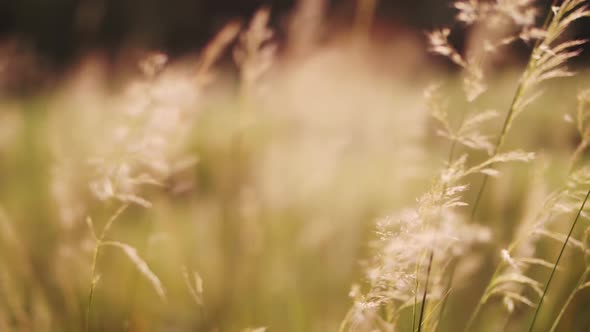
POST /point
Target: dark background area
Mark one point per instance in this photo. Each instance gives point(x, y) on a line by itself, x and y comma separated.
point(59, 31)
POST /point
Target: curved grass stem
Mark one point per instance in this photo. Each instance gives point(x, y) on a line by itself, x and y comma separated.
point(574, 223)
point(569, 299)
point(416, 288)
point(446, 299)
point(423, 307)
point(482, 300)
point(520, 92)
point(93, 276)
point(93, 281)
point(507, 121)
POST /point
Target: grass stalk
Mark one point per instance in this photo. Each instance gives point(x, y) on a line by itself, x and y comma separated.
point(507, 120)
point(93, 281)
point(532, 325)
point(482, 300)
point(501, 138)
point(416, 288)
point(520, 91)
point(93, 276)
point(569, 299)
point(423, 307)
point(446, 299)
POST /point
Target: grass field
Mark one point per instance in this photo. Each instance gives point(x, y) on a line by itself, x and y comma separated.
point(348, 186)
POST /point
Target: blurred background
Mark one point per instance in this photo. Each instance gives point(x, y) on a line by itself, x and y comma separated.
point(264, 173)
point(61, 31)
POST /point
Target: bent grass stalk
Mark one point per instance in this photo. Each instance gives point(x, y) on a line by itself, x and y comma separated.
point(416, 289)
point(420, 320)
point(431, 252)
point(445, 299)
point(434, 309)
point(520, 90)
point(99, 240)
point(497, 271)
point(569, 299)
point(558, 260)
point(482, 300)
point(585, 142)
point(450, 282)
point(485, 295)
point(507, 120)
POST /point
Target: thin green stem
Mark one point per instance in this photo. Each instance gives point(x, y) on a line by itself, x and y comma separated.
point(97, 245)
point(478, 197)
point(520, 91)
point(434, 309)
point(474, 314)
point(507, 120)
point(569, 299)
point(497, 271)
point(446, 299)
point(430, 257)
point(450, 160)
point(414, 311)
point(483, 299)
point(557, 261)
point(92, 287)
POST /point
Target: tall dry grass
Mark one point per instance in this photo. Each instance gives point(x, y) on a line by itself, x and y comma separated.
point(181, 197)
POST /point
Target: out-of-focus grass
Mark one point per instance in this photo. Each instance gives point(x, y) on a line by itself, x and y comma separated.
point(275, 216)
point(275, 224)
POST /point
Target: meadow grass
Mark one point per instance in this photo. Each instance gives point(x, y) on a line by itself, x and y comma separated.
point(313, 191)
